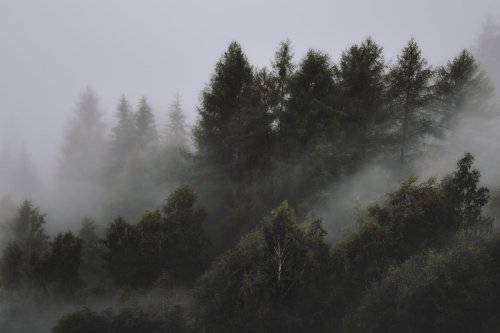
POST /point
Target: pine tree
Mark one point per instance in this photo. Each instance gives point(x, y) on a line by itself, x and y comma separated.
point(409, 89)
point(217, 134)
point(462, 88)
point(177, 134)
point(361, 85)
point(145, 124)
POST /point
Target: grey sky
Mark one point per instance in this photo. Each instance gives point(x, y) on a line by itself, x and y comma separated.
point(52, 49)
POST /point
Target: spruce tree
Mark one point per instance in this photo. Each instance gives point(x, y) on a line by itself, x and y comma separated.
point(409, 89)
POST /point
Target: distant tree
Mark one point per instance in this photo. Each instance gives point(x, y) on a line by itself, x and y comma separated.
point(27, 229)
point(84, 144)
point(409, 89)
point(80, 171)
point(361, 84)
point(124, 134)
point(177, 134)
point(462, 88)
point(145, 125)
point(487, 50)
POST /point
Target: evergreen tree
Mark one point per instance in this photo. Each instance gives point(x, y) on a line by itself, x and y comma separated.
point(310, 129)
point(218, 133)
point(487, 50)
point(177, 134)
point(27, 229)
point(81, 165)
point(361, 85)
point(124, 134)
point(409, 89)
point(462, 88)
point(145, 124)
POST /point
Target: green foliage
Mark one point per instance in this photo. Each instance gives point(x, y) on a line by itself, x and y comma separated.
point(127, 320)
point(27, 229)
point(170, 240)
point(415, 218)
point(60, 266)
point(262, 283)
point(409, 90)
point(361, 84)
point(12, 266)
point(185, 242)
point(82, 321)
point(452, 291)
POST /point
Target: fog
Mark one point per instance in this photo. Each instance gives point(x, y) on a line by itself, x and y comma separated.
point(78, 77)
point(52, 50)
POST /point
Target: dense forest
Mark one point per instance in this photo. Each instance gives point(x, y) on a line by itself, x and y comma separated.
point(218, 228)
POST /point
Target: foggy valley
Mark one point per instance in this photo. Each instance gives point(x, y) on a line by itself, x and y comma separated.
point(249, 166)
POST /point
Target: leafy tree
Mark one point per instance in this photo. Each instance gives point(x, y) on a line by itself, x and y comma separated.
point(92, 267)
point(82, 321)
point(60, 266)
point(451, 291)
point(185, 242)
point(260, 284)
point(415, 218)
point(283, 69)
point(361, 84)
point(122, 243)
point(409, 89)
point(12, 266)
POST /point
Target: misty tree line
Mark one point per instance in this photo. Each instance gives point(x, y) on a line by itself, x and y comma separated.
point(270, 142)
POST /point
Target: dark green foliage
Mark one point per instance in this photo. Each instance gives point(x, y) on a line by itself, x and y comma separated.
point(310, 111)
point(361, 84)
point(409, 91)
point(170, 240)
point(262, 284)
point(82, 321)
point(92, 268)
point(127, 320)
point(60, 266)
point(217, 134)
point(122, 243)
point(185, 242)
point(415, 218)
point(453, 291)
point(12, 266)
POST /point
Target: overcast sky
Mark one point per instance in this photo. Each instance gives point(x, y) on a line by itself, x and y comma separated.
point(51, 50)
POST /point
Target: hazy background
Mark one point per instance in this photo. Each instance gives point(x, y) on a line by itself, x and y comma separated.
point(52, 50)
